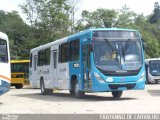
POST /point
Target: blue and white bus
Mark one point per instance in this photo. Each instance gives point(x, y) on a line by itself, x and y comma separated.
point(152, 70)
point(5, 74)
point(95, 60)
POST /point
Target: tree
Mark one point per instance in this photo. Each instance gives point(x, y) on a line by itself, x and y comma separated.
point(98, 18)
point(72, 11)
point(12, 24)
point(124, 18)
point(50, 18)
point(106, 18)
point(156, 13)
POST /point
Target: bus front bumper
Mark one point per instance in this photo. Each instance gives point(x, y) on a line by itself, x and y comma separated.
point(153, 78)
point(107, 87)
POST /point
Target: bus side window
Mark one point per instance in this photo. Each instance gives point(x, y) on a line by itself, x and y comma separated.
point(35, 63)
point(55, 59)
point(59, 54)
point(65, 52)
point(74, 50)
point(47, 56)
point(3, 51)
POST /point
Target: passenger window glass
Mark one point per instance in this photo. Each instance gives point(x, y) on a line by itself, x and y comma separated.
point(65, 52)
point(47, 56)
point(55, 59)
point(74, 50)
point(3, 51)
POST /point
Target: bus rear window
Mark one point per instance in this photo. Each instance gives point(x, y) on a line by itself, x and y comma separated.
point(3, 51)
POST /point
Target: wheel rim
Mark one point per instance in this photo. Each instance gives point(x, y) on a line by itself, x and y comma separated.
point(42, 87)
point(76, 89)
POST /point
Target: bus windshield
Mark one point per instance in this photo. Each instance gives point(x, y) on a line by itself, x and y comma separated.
point(20, 67)
point(154, 67)
point(117, 50)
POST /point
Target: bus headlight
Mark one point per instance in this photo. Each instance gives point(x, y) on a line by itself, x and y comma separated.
point(141, 77)
point(98, 77)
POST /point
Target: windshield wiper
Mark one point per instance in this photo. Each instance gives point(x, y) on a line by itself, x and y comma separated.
point(110, 44)
point(126, 45)
point(113, 49)
point(123, 53)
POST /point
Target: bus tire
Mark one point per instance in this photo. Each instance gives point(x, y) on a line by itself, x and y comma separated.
point(45, 91)
point(18, 86)
point(77, 92)
point(117, 94)
point(156, 82)
point(147, 81)
point(72, 91)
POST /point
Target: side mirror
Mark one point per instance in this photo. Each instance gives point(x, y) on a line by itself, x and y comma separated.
point(143, 44)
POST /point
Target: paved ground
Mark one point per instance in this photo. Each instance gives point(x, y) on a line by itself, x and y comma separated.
point(31, 101)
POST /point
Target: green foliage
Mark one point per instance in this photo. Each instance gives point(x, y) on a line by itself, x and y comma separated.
point(53, 19)
point(49, 18)
point(154, 18)
point(124, 18)
point(12, 24)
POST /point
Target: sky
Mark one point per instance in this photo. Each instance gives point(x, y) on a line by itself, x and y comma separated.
point(139, 6)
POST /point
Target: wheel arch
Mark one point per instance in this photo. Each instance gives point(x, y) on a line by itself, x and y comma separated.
point(73, 80)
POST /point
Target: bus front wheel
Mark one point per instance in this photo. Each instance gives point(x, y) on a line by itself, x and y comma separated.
point(78, 93)
point(18, 86)
point(117, 94)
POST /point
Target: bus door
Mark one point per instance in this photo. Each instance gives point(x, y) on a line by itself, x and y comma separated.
point(86, 66)
point(55, 60)
point(34, 72)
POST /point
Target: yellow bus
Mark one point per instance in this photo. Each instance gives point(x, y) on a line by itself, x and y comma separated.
point(19, 73)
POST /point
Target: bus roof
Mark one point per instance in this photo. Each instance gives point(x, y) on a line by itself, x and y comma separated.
point(3, 36)
point(20, 61)
point(76, 35)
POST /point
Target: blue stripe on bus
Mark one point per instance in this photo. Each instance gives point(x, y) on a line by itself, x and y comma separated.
point(4, 87)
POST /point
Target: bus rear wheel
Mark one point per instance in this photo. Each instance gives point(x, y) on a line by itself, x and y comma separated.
point(45, 91)
point(18, 86)
point(78, 93)
point(156, 82)
point(71, 92)
point(117, 94)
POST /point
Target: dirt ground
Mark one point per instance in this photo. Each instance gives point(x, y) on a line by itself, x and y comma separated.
point(30, 101)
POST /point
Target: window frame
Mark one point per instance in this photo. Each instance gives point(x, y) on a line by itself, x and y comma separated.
point(6, 51)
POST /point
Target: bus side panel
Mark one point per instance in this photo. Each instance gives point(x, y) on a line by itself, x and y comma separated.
point(63, 75)
point(4, 86)
point(32, 70)
point(5, 78)
point(44, 72)
point(74, 69)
